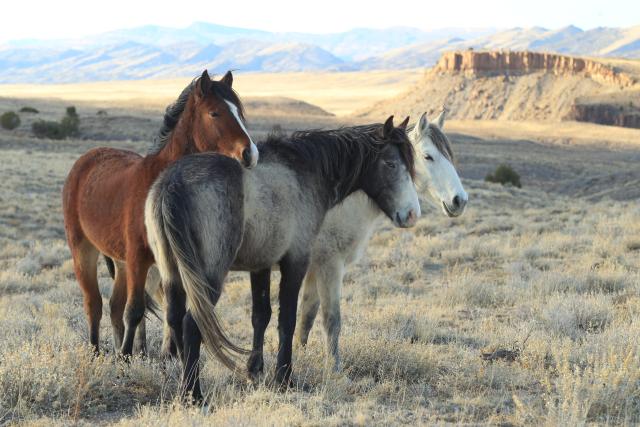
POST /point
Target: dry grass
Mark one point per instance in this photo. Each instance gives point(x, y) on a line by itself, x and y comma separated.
point(554, 279)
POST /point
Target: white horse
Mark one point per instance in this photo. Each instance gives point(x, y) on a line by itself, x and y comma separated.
point(348, 227)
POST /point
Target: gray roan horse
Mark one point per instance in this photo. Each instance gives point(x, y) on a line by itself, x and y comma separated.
point(206, 215)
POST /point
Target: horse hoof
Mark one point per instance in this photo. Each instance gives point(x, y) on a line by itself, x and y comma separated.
point(193, 399)
point(282, 382)
point(124, 358)
point(255, 366)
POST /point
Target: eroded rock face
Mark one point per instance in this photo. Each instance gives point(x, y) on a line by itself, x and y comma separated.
point(520, 86)
point(606, 114)
point(519, 63)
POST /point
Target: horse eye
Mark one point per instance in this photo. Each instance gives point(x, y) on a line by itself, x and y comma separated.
point(214, 114)
point(390, 165)
point(428, 157)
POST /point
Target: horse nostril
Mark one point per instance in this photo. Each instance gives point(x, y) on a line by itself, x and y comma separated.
point(456, 202)
point(246, 156)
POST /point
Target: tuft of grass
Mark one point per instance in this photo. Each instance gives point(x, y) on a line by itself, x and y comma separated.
point(505, 175)
point(48, 129)
point(30, 110)
point(68, 126)
point(9, 120)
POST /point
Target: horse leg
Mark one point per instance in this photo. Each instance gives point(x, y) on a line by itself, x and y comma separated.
point(168, 350)
point(140, 338)
point(330, 288)
point(191, 366)
point(309, 306)
point(292, 271)
point(135, 307)
point(175, 303)
point(85, 264)
point(260, 317)
point(116, 304)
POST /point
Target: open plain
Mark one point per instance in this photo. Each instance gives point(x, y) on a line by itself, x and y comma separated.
point(525, 310)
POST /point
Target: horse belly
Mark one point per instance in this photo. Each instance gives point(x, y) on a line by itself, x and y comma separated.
point(263, 245)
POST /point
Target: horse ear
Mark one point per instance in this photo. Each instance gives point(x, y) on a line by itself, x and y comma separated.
point(387, 128)
point(227, 78)
point(441, 117)
point(423, 124)
point(205, 83)
point(404, 124)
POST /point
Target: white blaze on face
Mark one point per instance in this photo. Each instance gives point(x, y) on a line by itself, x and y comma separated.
point(254, 150)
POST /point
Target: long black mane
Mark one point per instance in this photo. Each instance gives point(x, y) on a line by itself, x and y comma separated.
point(174, 110)
point(341, 155)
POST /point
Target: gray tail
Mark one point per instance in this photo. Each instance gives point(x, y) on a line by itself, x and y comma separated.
point(169, 229)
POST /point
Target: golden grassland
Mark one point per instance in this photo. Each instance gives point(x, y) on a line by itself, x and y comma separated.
point(523, 311)
point(338, 93)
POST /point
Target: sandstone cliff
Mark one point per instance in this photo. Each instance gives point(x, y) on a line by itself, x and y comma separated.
point(606, 114)
point(519, 63)
point(518, 86)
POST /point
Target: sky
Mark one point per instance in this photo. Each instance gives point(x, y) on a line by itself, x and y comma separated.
point(51, 19)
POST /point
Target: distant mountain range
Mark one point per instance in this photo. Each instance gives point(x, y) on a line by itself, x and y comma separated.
point(153, 51)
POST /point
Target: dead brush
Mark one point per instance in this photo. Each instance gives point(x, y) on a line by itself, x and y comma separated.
point(507, 354)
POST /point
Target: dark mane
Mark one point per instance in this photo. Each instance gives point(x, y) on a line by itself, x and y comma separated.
point(174, 110)
point(341, 155)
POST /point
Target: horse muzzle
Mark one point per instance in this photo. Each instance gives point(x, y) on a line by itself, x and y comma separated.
point(250, 156)
point(407, 219)
point(456, 207)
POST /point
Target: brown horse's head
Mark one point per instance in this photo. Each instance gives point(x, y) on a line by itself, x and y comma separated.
point(218, 120)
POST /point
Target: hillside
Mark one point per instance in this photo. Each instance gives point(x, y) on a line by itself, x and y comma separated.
point(571, 40)
point(521, 86)
point(163, 52)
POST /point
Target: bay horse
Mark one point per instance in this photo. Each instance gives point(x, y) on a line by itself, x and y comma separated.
point(205, 215)
point(104, 195)
point(347, 229)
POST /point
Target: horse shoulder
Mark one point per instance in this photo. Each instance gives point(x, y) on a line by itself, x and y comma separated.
point(347, 229)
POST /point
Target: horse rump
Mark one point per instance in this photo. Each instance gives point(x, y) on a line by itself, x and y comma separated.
point(183, 215)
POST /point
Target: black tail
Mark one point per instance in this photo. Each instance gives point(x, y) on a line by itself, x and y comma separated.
point(111, 266)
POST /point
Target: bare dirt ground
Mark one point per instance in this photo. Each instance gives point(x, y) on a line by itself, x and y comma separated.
point(523, 311)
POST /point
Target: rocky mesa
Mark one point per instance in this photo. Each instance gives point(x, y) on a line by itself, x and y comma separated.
point(522, 85)
point(519, 63)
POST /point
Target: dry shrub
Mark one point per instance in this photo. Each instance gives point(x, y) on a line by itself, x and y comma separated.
point(365, 356)
point(575, 316)
point(605, 390)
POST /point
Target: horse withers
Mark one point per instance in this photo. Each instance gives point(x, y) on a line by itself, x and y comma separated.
point(206, 216)
point(104, 195)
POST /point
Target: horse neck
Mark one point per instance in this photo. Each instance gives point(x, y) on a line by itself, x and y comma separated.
point(331, 189)
point(180, 141)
